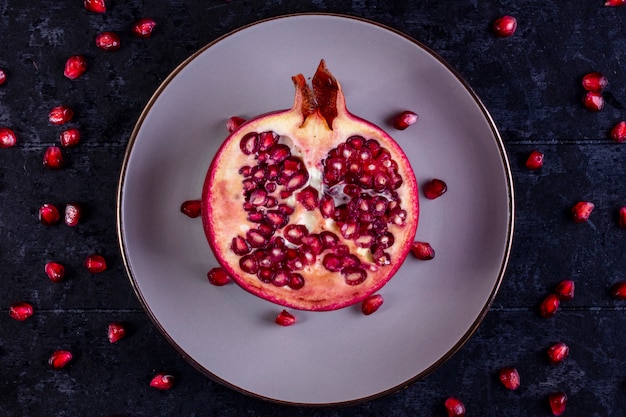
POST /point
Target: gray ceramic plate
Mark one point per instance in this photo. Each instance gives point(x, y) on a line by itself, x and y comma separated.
point(431, 307)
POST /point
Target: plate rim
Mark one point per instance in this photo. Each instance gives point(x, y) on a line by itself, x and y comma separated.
point(435, 365)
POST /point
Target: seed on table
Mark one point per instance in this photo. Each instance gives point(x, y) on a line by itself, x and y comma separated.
point(619, 291)
point(53, 157)
point(96, 6)
point(549, 306)
point(108, 41)
point(371, 304)
point(618, 132)
point(55, 271)
point(622, 217)
point(454, 407)
point(509, 377)
point(558, 402)
point(218, 277)
point(116, 332)
point(60, 115)
point(3, 76)
point(285, 318)
point(505, 26)
point(404, 119)
point(20, 311)
point(191, 208)
point(434, 188)
point(582, 210)
point(70, 137)
point(594, 81)
point(534, 160)
point(75, 66)
point(565, 290)
point(60, 359)
point(162, 381)
point(558, 352)
point(143, 28)
point(49, 214)
point(7, 138)
point(95, 264)
point(593, 101)
point(422, 251)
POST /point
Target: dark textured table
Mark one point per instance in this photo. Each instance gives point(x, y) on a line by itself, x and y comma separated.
point(530, 83)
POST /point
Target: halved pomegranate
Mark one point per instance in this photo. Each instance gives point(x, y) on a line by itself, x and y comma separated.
point(311, 208)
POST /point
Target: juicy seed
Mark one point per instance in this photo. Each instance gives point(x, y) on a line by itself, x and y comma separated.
point(70, 137)
point(354, 275)
point(582, 210)
point(557, 353)
point(558, 402)
point(218, 277)
point(60, 115)
point(285, 318)
point(565, 290)
point(116, 332)
point(143, 28)
point(108, 41)
point(75, 66)
point(618, 291)
point(20, 311)
point(594, 81)
point(59, 359)
point(3, 76)
point(505, 26)
point(55, 271)
point(72, 214)
point(535, 160)
point(96, 6)
point(434, 188)
point(593, 101)
point(53, 157)
point(618, 133)
point(404, 119)
point(371, 304)
point(422, 251)
point(95, 264)
point(7, 138)
point(549, 306)
point(615, 3)
point(509, 377)
point(454, 407)
point(191, 208)
point(233, 123)
point(622, 217)
point(308, 197)
point(49, 214)
point(162, 381)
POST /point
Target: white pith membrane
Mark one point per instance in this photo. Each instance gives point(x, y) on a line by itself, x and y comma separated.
point(311, 208)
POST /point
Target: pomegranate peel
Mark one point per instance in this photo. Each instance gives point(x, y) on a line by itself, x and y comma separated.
point(272, 171)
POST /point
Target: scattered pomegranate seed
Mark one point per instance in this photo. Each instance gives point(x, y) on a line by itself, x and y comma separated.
point(75, 66)
point(116, 332)
point(143, 28)
point(218, 277)
point(3, 76)
point(404, 119)
point(70, 137)
point(7, 138)
point(49, 214)
point(557, 401)
point(593, 101)
point(60, 115)
point(565, 290)
point(535, 160)
point(549, 306)
point(434, 188)
point(108, 41)
point(72, 214)
point(96, 6)
point(509, 377)
point(618, 133)
point(594, 81)
point(95, 264)
point(233, 123)
point(615, 2)
point(285, 318)
point(454, 407)
point(162, 381)
point(422, 251)
point(20, 311)
point(53, 157)
point(55, 271)
point(582, 210)
point(557, 353)
point(505, 26)
point(622, 217)
point(619, 291)
point(371, 304)
point(191, 208)
point(60, 358)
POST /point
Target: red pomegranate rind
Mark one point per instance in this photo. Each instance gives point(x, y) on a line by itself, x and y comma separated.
point(250, 198)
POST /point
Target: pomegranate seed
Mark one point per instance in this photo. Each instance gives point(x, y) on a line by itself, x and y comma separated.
point(509, 377)
point(162, 381)
point(454, 407)
point(594, 81)
point(618, 133)
point(60, 358)
point(70, 137)
point(371, 304)
point(53, 158)
point(7, 138)
point(218, 277)
point(565, 290)
point(3, 76)
point(557, 401)
point(233, 123)
point(75, 66)
point(422, 251)
point(60, 115)
point(191, 208)
point(72, 214)
point(505, 26)
point(535, 160)
point(557, 353)
point(593, 101)
point(619, 291)
point(615, 3)
point(20, 311)
point(49, 214)
point(285, 318)
point(434, 188)
point(55, 271)
point(108, 41)
point(143, 28)
point(582, 210)
point(549, 306)
point(116, 332)
point(404, 119)
point(622, 217)
point(96, 6)
point(95, 264)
